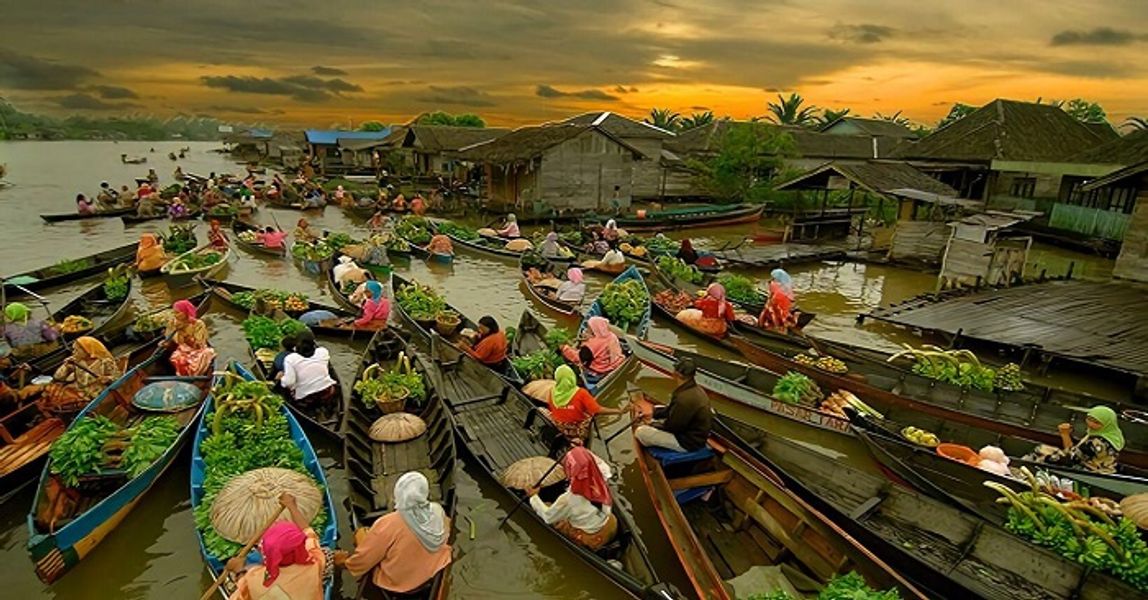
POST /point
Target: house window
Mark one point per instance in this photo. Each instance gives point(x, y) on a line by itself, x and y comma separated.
point(1123, 200)
point(1022, 187)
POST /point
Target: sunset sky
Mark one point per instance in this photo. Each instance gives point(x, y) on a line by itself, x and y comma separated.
point(346, 61)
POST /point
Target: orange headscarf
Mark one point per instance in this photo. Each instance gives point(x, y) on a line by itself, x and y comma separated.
point(91, 348)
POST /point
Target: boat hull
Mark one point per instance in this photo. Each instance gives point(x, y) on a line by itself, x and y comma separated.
point(101, 262)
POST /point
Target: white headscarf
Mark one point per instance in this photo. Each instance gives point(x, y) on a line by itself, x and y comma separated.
point(424, 518)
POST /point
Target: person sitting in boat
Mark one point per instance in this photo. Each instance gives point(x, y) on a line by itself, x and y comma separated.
point(613, 261)
point(610, 232)
point(583, 512)
point(293, 561)
point(399, 204)
point(287, 346)
point(510, 228)
point(378, 222)
point(376, 309)
point(600, 352)
point(150, 254)
point(25, 335)
point(314, 198)
point(217, 237)
point(573, 289)
point(1097, 451)
point(178, 173)
point(247, 202)
point(572, 407)
point(303, 232)
point(418, 205)
point(126, 196)
point(550, 247)
point(683, 425)
point(778, 310)
point(711, 313)
point(147, 206)
point(347, 272)
point(490, 346)
point(440, 244)
point(403, 549)
point(272, 238)
point(686, 252)
point(152, 177)
point(192, 355)
point(341, 196)
point(85, 206)
point(177, 210)
point(108, 196)
point(307, 372)
point(84, 374)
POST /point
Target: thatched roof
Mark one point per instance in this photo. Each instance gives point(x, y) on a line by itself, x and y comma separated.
point(619, 126)
point(1130, 149)
point(1104, 131)
point(1007, 130)
point(808, 144)
point(529, 142)
point(438, 138)
point(873, 127)
point(876, 177)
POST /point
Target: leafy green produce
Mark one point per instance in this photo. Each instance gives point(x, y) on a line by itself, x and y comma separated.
point(70, 266)
point(377, 382)
point(179, 239)
point(149, 441)
point(796, 388)
point(117, 284)
point(223, 210)
point(312, 251)
point(741, 290)
point(80, 450)
point(676, 268)
point(338, 240)
point(958, 367)
point(413, 229)
point(195, 261)
point(625, 303)
point(849, 586)
point(660, 245)
point(292, 327)
point(539, 364)
point(461, 232)
point(262, 332)
point(556, 337)
point(421, 302)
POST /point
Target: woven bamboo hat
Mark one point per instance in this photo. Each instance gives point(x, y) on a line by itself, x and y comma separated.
point(248, 500)
point(527, 471)
point(397, 427)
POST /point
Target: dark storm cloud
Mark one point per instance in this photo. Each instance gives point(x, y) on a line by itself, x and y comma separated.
point(243, 110)
point(328, 71)
point(304, 88)
point(458, 95)
point(89, 102)
point(621, 89)
point(113, 92)
point(866, 33)
point(25, 72)
point(331, 85)
point(548, 91)
point(1101, 36)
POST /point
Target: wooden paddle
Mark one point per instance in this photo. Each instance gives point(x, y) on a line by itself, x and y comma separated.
point(247, 548)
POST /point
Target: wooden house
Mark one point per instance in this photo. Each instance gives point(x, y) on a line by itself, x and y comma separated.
point(874, 128)
point(329, 151)
point(648, 139)
point(983, 250)
point(556, 168)
point(432, 150)
point(1132, 182)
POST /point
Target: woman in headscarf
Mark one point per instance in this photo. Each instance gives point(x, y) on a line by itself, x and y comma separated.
point(216, 236)
point(778, 311)
point(490, 348)
point(687, 253)
point(84, 374)
point(376, 309)
point(440, 244)
point(610, 233)
point(348, 272)
point(573, 289)
point(550, 247)
point(150, 255)
point(340, 196)
point(399, 204)
point(293, 561)
point(573, 407)
point(307, 372)
point(303, 232)
point(601, 351)
point(403, 549)
point(177, 210)
point(583, 512)
point(418, 205)
point(716, 312)
point(192, 354)
point(84, 205)
point(378, 221)
point(24, 334)
point(510, 228)
point(1097, 451)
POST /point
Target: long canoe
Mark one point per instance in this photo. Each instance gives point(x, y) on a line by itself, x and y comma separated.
point(497, 425)
point(487, 245)
point(374, 467)
point(690, 287)
point(764, 528)
point(941, 549)
point(134, 219)
point(341, 297)
point(75, 216)
point(46, 277)
point(1031, 415)
point(687, 218)
point(327, 538)
point(239, 227)
point(225, 291)
point(183, 278)
point(66, 523)
point(545, 295)
point(327, 419)
point(530, 336)
point(92, 305)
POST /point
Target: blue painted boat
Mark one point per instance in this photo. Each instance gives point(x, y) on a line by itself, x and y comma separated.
point(445, 259)
point(67, 522)
point(330, 534)
point(597, 385)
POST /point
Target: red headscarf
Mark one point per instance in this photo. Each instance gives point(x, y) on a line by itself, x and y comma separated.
point(584, 477)
point(284, 544)
point(185, 307)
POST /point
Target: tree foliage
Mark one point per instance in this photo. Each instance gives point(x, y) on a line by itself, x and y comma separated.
point(18, 124)
point(790, 111)
point(444, 118)
point(1084, 111)
point(894, 118)
point(696, 120)
point(830, 115)
point(748, 156)
point(372, 126)
point(1136, 123)
point(664, 118)
point(956, 113)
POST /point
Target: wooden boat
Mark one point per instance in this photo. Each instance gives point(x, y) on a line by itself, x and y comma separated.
point(224, 290)
point(497, 425)
point(314, 268)
point(342, 298)
point(75, 216)
point(689, 287)
point(184, 278)
point(764, 528)
point(51, 276)
point(639, 329)
point(687, 218)
point(943, 551)
point(239, 226)
point(545, 294)
point(133, 219)
point(965, 416)
point(487, 245)
point(442, 258)
point(327, 419)
point(96, 307)
point(373, 467)
point(327, 538)
point(747, 386)
point(66, 523)
point(530, 336)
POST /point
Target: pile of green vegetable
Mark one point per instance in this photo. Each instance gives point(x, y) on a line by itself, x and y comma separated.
point(796, 388)
point(413, 229)
point(741, 290)
point(288, 301)
point(1077, 530)
point(223, 210)
point(850, 586)
point(539, 364)
point(377, 382)
point(313, 251)
point(961, 368)
point(96, 443)
point(338, 240)
point(676, 268)
point(117, 284)
point(152, 321)
point(249, 431)
point(462, 232)
point(179, 239)
point(67, 266)
point(196, 261)
point(265, 332)
point(419, 301)
point(659, 245)
point(625, 303)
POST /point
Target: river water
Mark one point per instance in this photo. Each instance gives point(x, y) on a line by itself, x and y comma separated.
point(154, 553)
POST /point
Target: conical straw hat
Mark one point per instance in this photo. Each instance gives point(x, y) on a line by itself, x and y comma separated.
point(397, 427)
point(248, 500)
point(528, 471)
point(539, 389)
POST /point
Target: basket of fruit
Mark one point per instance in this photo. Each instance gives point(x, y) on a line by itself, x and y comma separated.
point(921, 437)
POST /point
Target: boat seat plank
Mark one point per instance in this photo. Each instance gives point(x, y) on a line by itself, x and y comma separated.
point(670, 457)
point(791, 539)
point(701, 480)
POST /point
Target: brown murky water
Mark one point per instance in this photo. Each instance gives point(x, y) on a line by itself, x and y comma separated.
point(154, 553)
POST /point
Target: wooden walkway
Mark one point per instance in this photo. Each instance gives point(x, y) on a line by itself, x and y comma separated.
point(781, 255)
point(1100, 323)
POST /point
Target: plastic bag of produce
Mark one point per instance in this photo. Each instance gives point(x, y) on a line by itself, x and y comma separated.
point(167, 396)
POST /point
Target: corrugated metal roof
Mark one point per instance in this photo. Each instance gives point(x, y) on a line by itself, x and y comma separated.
point(332, 136)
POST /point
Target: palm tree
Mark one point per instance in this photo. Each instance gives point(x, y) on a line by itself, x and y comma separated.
point(1136, 123)
point(893, 118)
point(829, 116)
point(663, 118)
point(696, 120)
point(788, 111)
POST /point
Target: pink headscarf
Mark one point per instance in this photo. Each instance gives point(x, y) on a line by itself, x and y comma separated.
point(584, 477)
point(600, 327)
point(284, 544)
point(185, 307)
point(574, 274)
point(716, 291)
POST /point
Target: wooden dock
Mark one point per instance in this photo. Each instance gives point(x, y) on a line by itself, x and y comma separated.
point(1095, 324)
point(780, 255)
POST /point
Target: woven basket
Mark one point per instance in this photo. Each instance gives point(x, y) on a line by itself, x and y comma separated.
point(393, 405)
